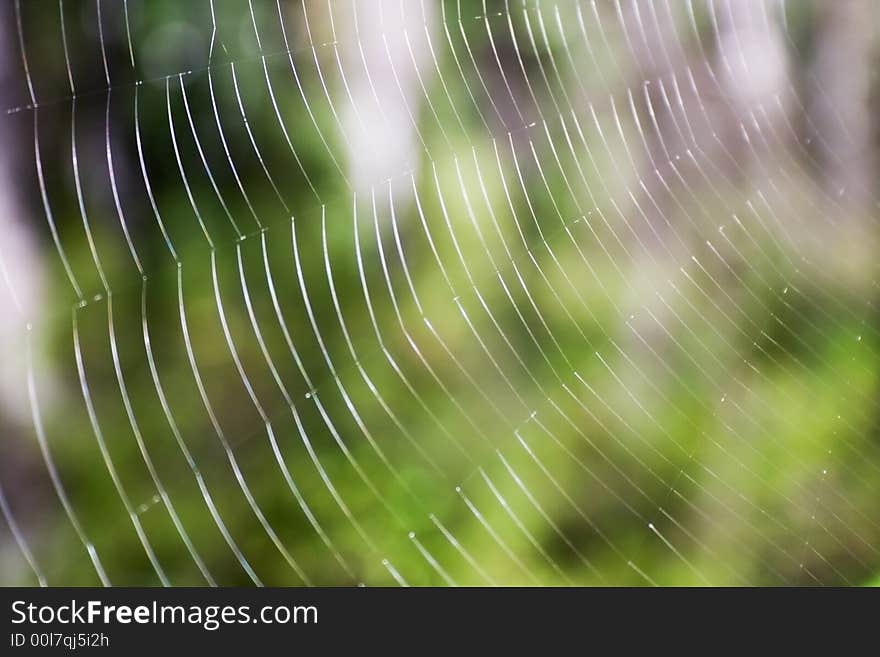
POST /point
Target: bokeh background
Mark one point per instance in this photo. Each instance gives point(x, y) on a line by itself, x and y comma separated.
point(439, 292)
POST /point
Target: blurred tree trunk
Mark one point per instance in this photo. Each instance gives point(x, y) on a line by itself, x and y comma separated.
point(838, 106)
point(22, 293)
point(22, 302)
point(384, 51)
point(728, 81)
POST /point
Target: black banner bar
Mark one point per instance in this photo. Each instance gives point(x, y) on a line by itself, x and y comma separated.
point(94, 620)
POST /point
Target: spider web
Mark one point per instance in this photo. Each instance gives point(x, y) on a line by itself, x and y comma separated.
point(377, 292)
